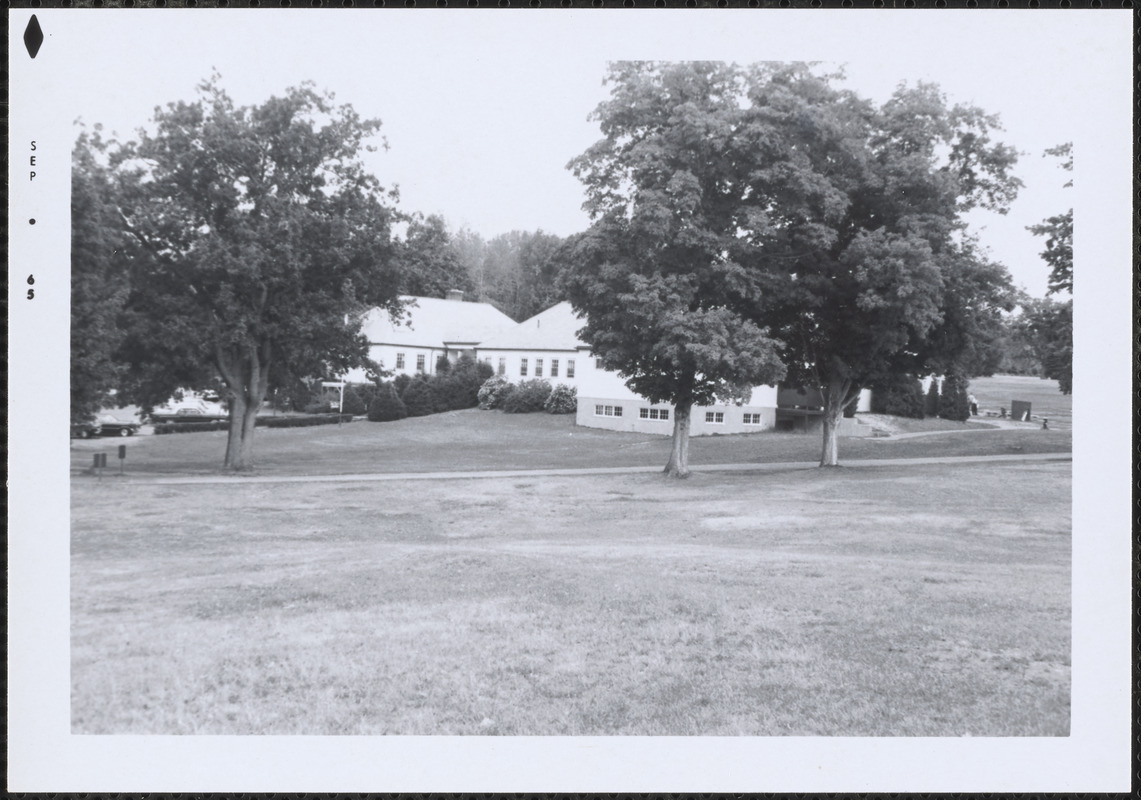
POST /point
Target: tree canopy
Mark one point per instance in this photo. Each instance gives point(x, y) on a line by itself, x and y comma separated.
point(258, 242)
point(98, 278)
point(658, 275)
point(856, 214)
point(780, 197)
point(1051, 322)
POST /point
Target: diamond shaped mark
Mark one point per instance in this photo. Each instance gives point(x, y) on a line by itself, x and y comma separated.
point(33, 36)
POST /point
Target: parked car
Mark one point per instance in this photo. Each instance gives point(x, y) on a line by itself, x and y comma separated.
point(113, 426)
point(85, 430)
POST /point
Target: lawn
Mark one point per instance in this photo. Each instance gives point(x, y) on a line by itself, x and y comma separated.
point(997, 392)
point(919, 601)
point(490, 440)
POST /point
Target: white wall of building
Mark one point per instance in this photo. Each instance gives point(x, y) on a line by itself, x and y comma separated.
point(554, 366)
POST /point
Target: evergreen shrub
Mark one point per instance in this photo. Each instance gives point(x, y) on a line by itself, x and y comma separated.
point(419, 399)
point(351, 403)
point(953, 403)
point(899, 395)
point(401, 382)
point(386, 406)
point(931, 401)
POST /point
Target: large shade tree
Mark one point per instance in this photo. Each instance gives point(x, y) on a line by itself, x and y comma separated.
point(259, 242)
point(657, 275)
point(98, 278)
point(854, 216)
point(1052, 321)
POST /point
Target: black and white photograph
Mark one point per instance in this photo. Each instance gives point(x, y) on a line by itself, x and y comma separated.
point(537, 400)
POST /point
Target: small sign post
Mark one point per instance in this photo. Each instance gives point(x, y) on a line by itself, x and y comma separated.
point(100, 464)
point(122, 457)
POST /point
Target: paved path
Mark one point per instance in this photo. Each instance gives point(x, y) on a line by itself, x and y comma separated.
point(780, 466)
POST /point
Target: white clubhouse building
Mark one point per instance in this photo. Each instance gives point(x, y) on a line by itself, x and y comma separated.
point(547, 347)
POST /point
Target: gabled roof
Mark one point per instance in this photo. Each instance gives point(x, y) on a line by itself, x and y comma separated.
point(432, 322)
point(553, 329)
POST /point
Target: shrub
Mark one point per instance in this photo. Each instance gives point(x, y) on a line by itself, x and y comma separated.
point(527, 397)
point(562, 400)
point(352, 403)
point(387, 405)
point(931, 401)
point(494, 391)
point(303, 422)
point(401, 382)
point(190, 427)
point(443, 365)
point(367, 393)
point(953, 401)
point(900, 395)
point(419, 399)
point(320, 405)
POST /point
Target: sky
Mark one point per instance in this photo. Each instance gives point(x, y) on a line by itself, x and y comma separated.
point(483, 111)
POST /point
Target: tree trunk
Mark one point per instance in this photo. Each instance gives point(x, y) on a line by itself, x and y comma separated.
point(678, 465)
point(234, 439)
point(836, 396)
point(247, 379)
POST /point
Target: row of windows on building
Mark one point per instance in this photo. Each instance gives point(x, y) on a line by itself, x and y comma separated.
point(553, 372)
point(421, 361)
point(663, 415)
point(524, 368)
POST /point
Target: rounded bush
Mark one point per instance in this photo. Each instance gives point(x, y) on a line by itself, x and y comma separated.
point(899, 395)
point(527, 397)
point(562, 400)
point(387, 405)
point(419, 399)
point(494, 391)
point(352, 403)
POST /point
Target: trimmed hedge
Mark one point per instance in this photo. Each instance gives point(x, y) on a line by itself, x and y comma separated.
point(189, 427)
point(303, 422)
point(262, 422)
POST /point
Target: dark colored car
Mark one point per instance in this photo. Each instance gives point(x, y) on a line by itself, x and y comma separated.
point(112, 426)
point(85, 430)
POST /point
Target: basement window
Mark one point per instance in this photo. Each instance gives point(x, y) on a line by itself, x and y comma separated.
point(607, 411)
point(752, 419)
point(661, 414)
point(715, 417)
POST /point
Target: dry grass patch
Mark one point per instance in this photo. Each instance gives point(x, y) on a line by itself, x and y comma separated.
point(888, 601)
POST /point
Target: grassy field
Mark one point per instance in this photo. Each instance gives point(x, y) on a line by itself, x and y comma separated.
point(921, 601)
point(489, 440)
point(1045, 400)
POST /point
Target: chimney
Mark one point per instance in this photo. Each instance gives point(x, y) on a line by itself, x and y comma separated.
point(456, 295)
